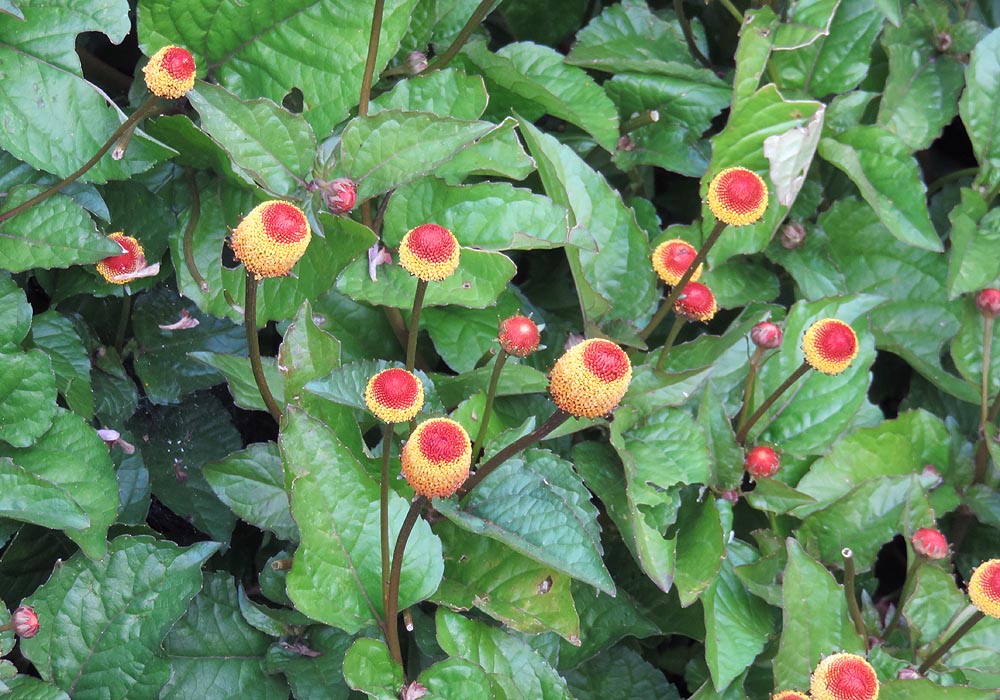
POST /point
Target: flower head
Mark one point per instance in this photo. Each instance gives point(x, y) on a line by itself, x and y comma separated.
point(25, 621)
point(696, 302)
point(170, 72)
point(762, 462)
point(672, 258)
point(984, 587)
point(394, 395)
point(930, 543)
point(437, 457)
point(789, 695)
point(271, 238)
point(127, 265)
point(830, 346)
point(429, 252)
point(766, 335)
point(339, 195)
point(519, 336)
point(590, 379)
point(844, 677)
point(737, 196)
point(988, 302)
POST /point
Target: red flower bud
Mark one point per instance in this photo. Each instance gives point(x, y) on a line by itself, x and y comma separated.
point(339, 195)
point(930, 543)
point(988, 302)
point(762, 462)
point(696, 303)
point(25, 622)
point(519, 336)
point(766, 335)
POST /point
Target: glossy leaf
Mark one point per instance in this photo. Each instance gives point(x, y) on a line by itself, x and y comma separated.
point(31, 499)
point(620, 672)
point(313, 677)
point(701, 547)
point(976, 106)
point(239, 376)
point(15, 312)
point(56, 335)
point(974, 260)
point(448, 91)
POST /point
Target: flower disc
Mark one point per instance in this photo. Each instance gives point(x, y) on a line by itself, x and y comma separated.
point(844, 677)
point(984, 587)
point(737, 196)
point(519, 336)
point(696, 302)
point(271, 238)
point(830, 346)
point(590, 379)
point(437, 457)
point(170, 72)
point(130, 260)
point(672, 258)
point(429, 252)
point(394, 395)
point(789, 695)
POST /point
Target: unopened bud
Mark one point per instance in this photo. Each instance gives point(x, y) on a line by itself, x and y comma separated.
point(25, 622)
point(766, 335)
point(731, 495)
point(339, 194)
point(988, 302)
point(762, 462)
point(930, 543)
point(416, 62)
point(793, 235)
point(942, 42)
point(908, 674)
point(625, 143)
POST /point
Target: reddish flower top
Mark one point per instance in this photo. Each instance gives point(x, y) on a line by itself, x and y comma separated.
point(737, 196)
point(930, 543)
point(119, 269)
point(429, 252)
point(844, 677)
point(271, 238)
point(988, 302)
point(672, 258)
point(519, 336)
point(437, 457)
point(762, 462)
point(789, 695)
point(170, 72)
point(25, 621)
point(984, 587)
point(830, 346)
point(696, 302)
point(394, 395)
point(766, 335)
point(590, 379)
point(340, 195)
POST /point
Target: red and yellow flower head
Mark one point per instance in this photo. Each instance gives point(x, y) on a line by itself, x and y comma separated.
point(737, 196)
point(437, 457)
point(844, 677)
point(170, 72)
point(830, 346)
point(119, 269)
point(789, 695)
point(696, 303)
point(394, 395)
point(590, 379)
point(429, 252)
point(518, 336)
point(672, 258)
point(271, 238)
point(930, 543)
point(984, 587)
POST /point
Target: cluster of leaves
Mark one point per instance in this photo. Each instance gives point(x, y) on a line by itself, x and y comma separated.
point(604, 563)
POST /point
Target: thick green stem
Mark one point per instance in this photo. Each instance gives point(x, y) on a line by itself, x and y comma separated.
point(950, 642)
point(669, 343)
point(145, 110)
point(491, 394)
point(369, 74)
point(553, 422)
point(650, 116)
point(478, 15)
point(851, 595)
point(253, 345)
point(982, 449)
point(411, 337)
point(689, 35)
point(741, 435)
point(737, 15)
point(748, 388)
point(668, 303)
point(192, 224)
point(392, 611)
point(384, 520)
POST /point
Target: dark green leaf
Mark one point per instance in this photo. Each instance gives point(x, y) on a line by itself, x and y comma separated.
point(369, 668)
point(923, 689)
point(725, 455)
point(514, 379)
point(497, 154)
point(346, 385)
point(29, 688)
point(619, 674)
point(974, 259)
point(448, 91)
point(977, 106)
point(15, 312)
point(31, 499)
point(701, 547)
point(306, 352)
point(462, 337)
point(313, 677)
point(242, 384)
point(456, 679)
point(752, 52)
point(967, 348)
point(56, 335)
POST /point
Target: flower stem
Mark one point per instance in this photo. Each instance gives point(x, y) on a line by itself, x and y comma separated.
point(737, 15)
point(478, 15)
point(950, 642)
point(553, 422)
point(982, 450)
point(852, 598)
point(741, 435)
point(669, 343)
point(668, 303)
point(748, 388)
point(369, 74)
point(491, 394)
point(146, 109)
point(392, 611)
point(411, 336)
point(650, 116)
point(689, 35)
point(384, 520)
point(192, 224)
point(253, 345)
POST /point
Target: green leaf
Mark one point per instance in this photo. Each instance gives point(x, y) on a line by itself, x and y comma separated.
point(752, 52)
point(887, 176)
point(252, 483)
point(11, 9)
point(515, 379)
point(242, 384)
point(213, 651)
point(29, 688)
point(105, 619)
point(88, 476)
point(701, 547)
point(480, 278)
point(306, 351)
point(815, 620)
point(738, 283)
point(725, 455)
point(777, 497)
point(261, 49)
point(921, 93)
point(31, 499)
point(508, 661)
point(541, 484)
point(369, 668)
point(982, 77)
point(314, 677)
point(967, 349)
point(536, 80)
point(44, 97)
point(346, 385)
point(392, 148)
point(340, 546)
point(545, 24)
point(497, 154)
point(737, 624)
point(489, 215)
point(56, 335)
point(462, 337)
point(619, 673)
point(618, 281)
point(55, 233)
point(456, 679)
point(974, 259)
point(15, 312)
point(448, 91)
point(181, 440)
point(525, 595)
point(271, 147)
point(923, 689)
point(808, 22)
